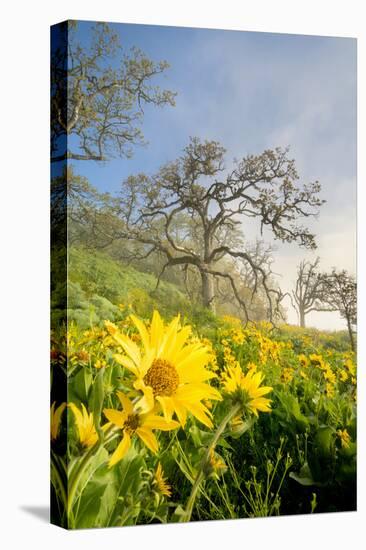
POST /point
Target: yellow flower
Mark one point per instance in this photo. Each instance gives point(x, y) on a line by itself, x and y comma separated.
point(231, 320)
point(85, 425)
point(111, 327)
point(329, 375)
point(344, 437)
point(350, 366)
point(56, 419)
point(169, 370)
point(247, 388)
point(132, 422)
point(287, 374)
point(99, 364)
point(251, 367)
point(216, 463)
point(329, 388)
point(304, 375)
point(316, 360)
point(343, 375)
point(160, 481)
point(303, 360)
point(237, 425)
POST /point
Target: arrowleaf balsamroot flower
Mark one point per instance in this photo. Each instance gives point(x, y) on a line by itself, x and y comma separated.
point(55, 420)
point(85, 425)
point(246, 389)
point(132, 422)
point(169, 369)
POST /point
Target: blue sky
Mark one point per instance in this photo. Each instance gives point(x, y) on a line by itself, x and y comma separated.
point(253, 91)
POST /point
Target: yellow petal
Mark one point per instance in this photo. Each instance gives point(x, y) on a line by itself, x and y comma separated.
point(78, 418)
point(195, 360)
point(263, 390)
point(167, 405)
point(146, 403)
point(121, 450)
point(118, 418)
point(56, 418)
point(129, 346)
point(156, 422)
point(142, 331)
point(197, 392)
point(146, 435)
point(126, 362)
point(169, 339)
point(157, 330)
point(125, 402)
point(181, 412)
point(194, 373)
point(201, 413)
point(181, 338)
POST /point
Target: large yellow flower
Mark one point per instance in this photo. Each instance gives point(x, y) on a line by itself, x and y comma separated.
point(132, 422)
point(169, 369)
point(246, 388)
point(85, 425)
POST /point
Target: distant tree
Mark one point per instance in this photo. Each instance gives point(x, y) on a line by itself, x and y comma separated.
point(98, 94)
point(309, 293)
point(217, 202)
point(341, 295)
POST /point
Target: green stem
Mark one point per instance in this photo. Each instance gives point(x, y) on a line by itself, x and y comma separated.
point(200, 475)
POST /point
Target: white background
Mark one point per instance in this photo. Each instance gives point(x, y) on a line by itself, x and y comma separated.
point(24, 204)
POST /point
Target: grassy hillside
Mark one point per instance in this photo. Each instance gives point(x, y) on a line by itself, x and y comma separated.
point(101, 288)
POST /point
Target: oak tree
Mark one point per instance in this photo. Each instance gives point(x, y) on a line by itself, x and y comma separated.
point(309, 292)
point(218, 200)
point(98, 94)
point(341, 295)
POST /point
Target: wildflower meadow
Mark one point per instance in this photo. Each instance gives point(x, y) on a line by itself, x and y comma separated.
point(167, 423)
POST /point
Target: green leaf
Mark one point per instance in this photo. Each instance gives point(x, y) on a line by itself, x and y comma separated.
point(324, 440)
point(293, 411)
point(111, 496)
point(79, 386)
point(304, 477)
point(200, 437)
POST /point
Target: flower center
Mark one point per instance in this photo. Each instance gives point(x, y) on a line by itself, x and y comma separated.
point(132, 423)
point(162, 377)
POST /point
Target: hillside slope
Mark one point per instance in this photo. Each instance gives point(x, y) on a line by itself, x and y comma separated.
point(101, 288)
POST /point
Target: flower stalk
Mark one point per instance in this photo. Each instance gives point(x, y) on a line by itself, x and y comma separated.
point(203, 466)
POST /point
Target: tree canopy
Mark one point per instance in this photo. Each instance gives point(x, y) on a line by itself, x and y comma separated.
point(216, 200)
point(98, 95)
point(341, 295)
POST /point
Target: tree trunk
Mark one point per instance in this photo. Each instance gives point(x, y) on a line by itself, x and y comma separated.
point(208, 293)
point(302, 318)
point(350, 332)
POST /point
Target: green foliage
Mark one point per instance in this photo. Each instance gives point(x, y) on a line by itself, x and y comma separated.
point(112, 497)
point(97, 285)
point(97, 273)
